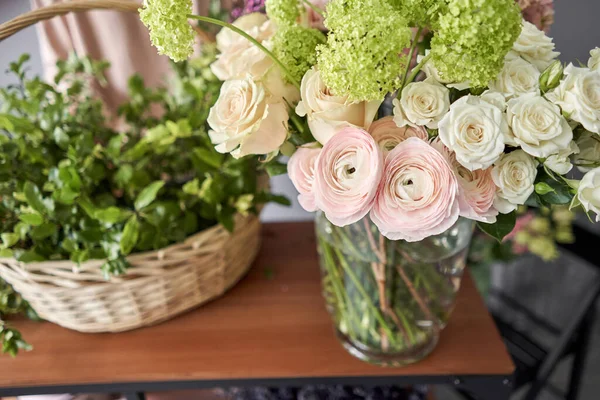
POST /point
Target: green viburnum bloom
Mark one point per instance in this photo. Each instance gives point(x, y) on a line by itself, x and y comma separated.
point(295, 47)
point(283, 12)
point(170, 31)
point(472, 39)
point(420, 13)
point(363, 55)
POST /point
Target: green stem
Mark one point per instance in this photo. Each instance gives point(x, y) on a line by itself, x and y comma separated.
point(252, 40)
point(365, 295)
point(407, 326)
point(410, 55)
point(417, 69)
point(314, 8)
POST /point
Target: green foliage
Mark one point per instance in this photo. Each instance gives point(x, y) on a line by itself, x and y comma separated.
point(551, 188)
point(12, 303)
point(472, 38)
point(73, 188)
point(504, 225)
point(363, 55)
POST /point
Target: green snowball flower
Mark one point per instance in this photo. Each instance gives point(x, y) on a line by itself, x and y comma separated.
point(295, 47)
point(283, 12)
point(363, 55)
point(472, 39)
point(420, 13)
point(170, 31)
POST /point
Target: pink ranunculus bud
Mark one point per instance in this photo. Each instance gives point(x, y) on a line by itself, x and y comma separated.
point(301, 169)
point(387, 134)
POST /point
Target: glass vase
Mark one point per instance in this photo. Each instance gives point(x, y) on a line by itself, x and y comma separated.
point(389, 300)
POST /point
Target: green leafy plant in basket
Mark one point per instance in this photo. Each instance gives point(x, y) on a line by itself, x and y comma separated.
point(73, 188)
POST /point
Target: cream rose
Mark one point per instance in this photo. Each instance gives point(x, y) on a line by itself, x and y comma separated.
point(594, 61)
point(417, 196)
point(476, 189)
point(514, 175)
point(538, 126)
point(246, 120)
point(238, 57)
point(588, 157)
point(534, 46)
point(517, 77)
point(301, 170)
point(561, 161)
point(328, 113)
point(347, 173)
point(388, 135)
point(579, 96)
point(589, 192)
point(422, 103)
point(475, 130)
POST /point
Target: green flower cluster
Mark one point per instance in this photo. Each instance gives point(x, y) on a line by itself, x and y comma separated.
point(170, 31)
point(420, 13)
point(283, 12)
point(362, 58)
point(295, 46)
point(473, 37)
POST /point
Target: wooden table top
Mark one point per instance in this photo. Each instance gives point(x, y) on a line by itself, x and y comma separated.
point(272, 325)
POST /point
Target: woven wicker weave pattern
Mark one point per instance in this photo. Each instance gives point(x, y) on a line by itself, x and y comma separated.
point(159, 285)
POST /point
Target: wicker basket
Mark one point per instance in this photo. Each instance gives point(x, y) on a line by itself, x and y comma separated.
point(159, 285)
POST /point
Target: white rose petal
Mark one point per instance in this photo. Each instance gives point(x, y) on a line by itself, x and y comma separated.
point(327, 113)
point(561, 161)
point(475, 130)
point(579, 96)
point(431, 72)
point(422, 104)
point(594, 61)
point(514, 175)
point(589, 152)
point(247, 120)
point(538, 126)
point(589, 192)
point(517, 77)
point(534, 46)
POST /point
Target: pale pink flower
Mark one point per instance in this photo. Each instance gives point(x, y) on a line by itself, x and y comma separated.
point(538, 12)
point(347, 173)
point(301, 169)
point(476, 189)
point(314, 19)
point(387, 134)
point(417, 196)
point(520, 225)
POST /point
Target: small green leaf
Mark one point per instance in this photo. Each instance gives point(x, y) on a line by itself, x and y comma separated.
point(543, 188)
point(504, 225)
point(6, 253)
point(9, 239)
point(211, 158)
point(275, 168)
point(148, 194)
point(31, 256)
point(110, 215)
point(34, 197)
point(130, 236)
point(32, 219)
point(225, 217)
point(61, 138)
point(43, 231)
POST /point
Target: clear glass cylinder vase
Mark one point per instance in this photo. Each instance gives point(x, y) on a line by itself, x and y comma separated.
point(389, 300)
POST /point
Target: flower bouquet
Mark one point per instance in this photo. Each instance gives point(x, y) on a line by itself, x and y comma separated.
point(406, 122)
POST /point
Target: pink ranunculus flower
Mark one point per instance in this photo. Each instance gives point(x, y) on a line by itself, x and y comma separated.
point(347, 174)
point(538, 12)
point(476, 189)
point(301, 169)
point(388, 135)
point(418, 195)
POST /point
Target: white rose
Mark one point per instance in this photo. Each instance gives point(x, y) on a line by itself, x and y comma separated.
point(538, 126)
point(589, 192)
point(579, 96)
point(561, 161)
point(494, 98)
point(431, 72)
point(517, 77)
point(589, 152)
point(328, 113)
point(246, 120)
point(534, 46)
point(274, 82)
point(514, 175)
point(422, 104)
point(239, 57)
point(594, 61)
point(475, 130)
